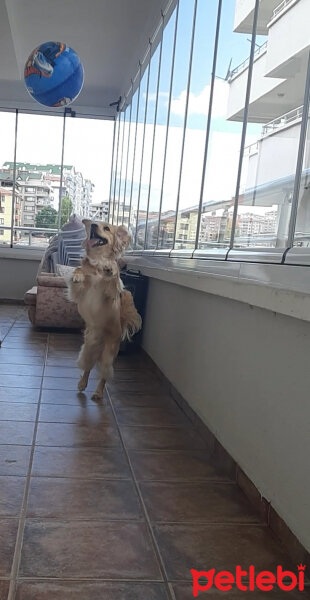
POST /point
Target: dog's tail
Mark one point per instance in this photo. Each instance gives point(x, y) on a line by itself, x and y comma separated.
point(131, 321)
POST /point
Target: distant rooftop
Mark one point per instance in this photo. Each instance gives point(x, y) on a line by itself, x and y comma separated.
point(44, 168)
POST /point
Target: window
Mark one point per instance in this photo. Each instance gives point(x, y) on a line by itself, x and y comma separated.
point(302, 229)
point(118, 166)
point(273, 130)
point(1, 231)
point(87, 165)
point(177, 121)
point(140, 134)
point(1, 221)
point(195, 102)
point(160, 134)
point(34, 160)
point(144, 185)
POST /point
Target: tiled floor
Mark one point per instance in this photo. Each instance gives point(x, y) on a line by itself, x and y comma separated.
point(110, 500)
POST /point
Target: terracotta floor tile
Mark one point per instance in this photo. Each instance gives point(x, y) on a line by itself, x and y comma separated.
point(92, 463)
point(100, 550)
point(82, 499)
point(8, 532)
point(4, 589)
point(197, 502)
point(63, 371)
point(19, 395)
point(132, 400)
point(174, 465)
point(222, 547)
point(89, 414)
point(14, 460)
point(17, 411)
point(14, 357)
point(79, 434)
point(16, 432)
point(21, 369)
point(66, 383)
point(11, 495)
point(173, 438)
point(142, 387)
point(81, 590)
point(70, 397)
point(20, 381)
point(160, 417)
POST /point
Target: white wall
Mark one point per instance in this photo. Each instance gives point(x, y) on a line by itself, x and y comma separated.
point(16, 277)
point(245, 371)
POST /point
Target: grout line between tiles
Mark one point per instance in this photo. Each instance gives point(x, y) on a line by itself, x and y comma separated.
point(22, 519)
point(144, 509)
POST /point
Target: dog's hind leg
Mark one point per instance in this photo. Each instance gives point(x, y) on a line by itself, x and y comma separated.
point(88, 357)
point(110, 351)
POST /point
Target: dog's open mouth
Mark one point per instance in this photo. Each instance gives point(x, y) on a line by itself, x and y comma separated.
point(96, 240)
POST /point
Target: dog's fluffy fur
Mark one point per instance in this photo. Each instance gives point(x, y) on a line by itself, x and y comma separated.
point(106, 307)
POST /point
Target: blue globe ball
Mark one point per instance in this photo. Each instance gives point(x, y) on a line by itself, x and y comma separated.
point(54, 74)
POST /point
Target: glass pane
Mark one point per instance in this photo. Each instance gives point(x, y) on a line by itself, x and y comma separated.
point(302, 230)
point(176, 125)
point(138, 155)
point(225, 128)
point(7, 128)
point(148, 144)
point(118, 168)
point(39, 144)
point(273, 131)
point(198, 106)
point(131, 154)
point(160, 131)
point(87, 166)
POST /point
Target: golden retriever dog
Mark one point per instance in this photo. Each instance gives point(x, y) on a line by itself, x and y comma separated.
point(106, 307)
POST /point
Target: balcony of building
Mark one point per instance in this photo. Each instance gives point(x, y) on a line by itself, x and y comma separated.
point(196, 458)
point(279, 67)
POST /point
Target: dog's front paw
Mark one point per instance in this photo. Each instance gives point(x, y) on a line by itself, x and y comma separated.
point(78, 276)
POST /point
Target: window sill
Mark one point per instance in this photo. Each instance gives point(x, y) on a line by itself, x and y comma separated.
point(22, 253)
point(283, 289)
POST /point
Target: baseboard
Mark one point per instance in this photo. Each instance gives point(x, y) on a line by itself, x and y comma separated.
point(223, 460)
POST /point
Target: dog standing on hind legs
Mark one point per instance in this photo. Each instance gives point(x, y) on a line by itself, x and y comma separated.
point(107, 308)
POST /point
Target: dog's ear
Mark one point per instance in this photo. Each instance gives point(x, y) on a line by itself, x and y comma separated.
point(121, 239)
point(87, 223)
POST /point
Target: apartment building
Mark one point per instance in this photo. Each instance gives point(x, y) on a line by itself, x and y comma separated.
point(99, 210)
point(74, 185)
point(6, 202)
point(275, 112)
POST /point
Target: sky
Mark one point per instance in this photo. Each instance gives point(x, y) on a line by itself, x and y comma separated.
point(88, 143)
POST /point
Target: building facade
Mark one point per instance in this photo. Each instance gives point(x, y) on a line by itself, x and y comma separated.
point(74, 185)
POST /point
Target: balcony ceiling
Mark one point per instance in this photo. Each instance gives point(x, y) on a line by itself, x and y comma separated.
point(110, 37)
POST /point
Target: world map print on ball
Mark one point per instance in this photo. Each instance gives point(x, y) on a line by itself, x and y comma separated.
point(54, 74)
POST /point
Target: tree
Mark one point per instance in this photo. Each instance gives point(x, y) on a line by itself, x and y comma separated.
point(66, 210)
point(47, 217)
